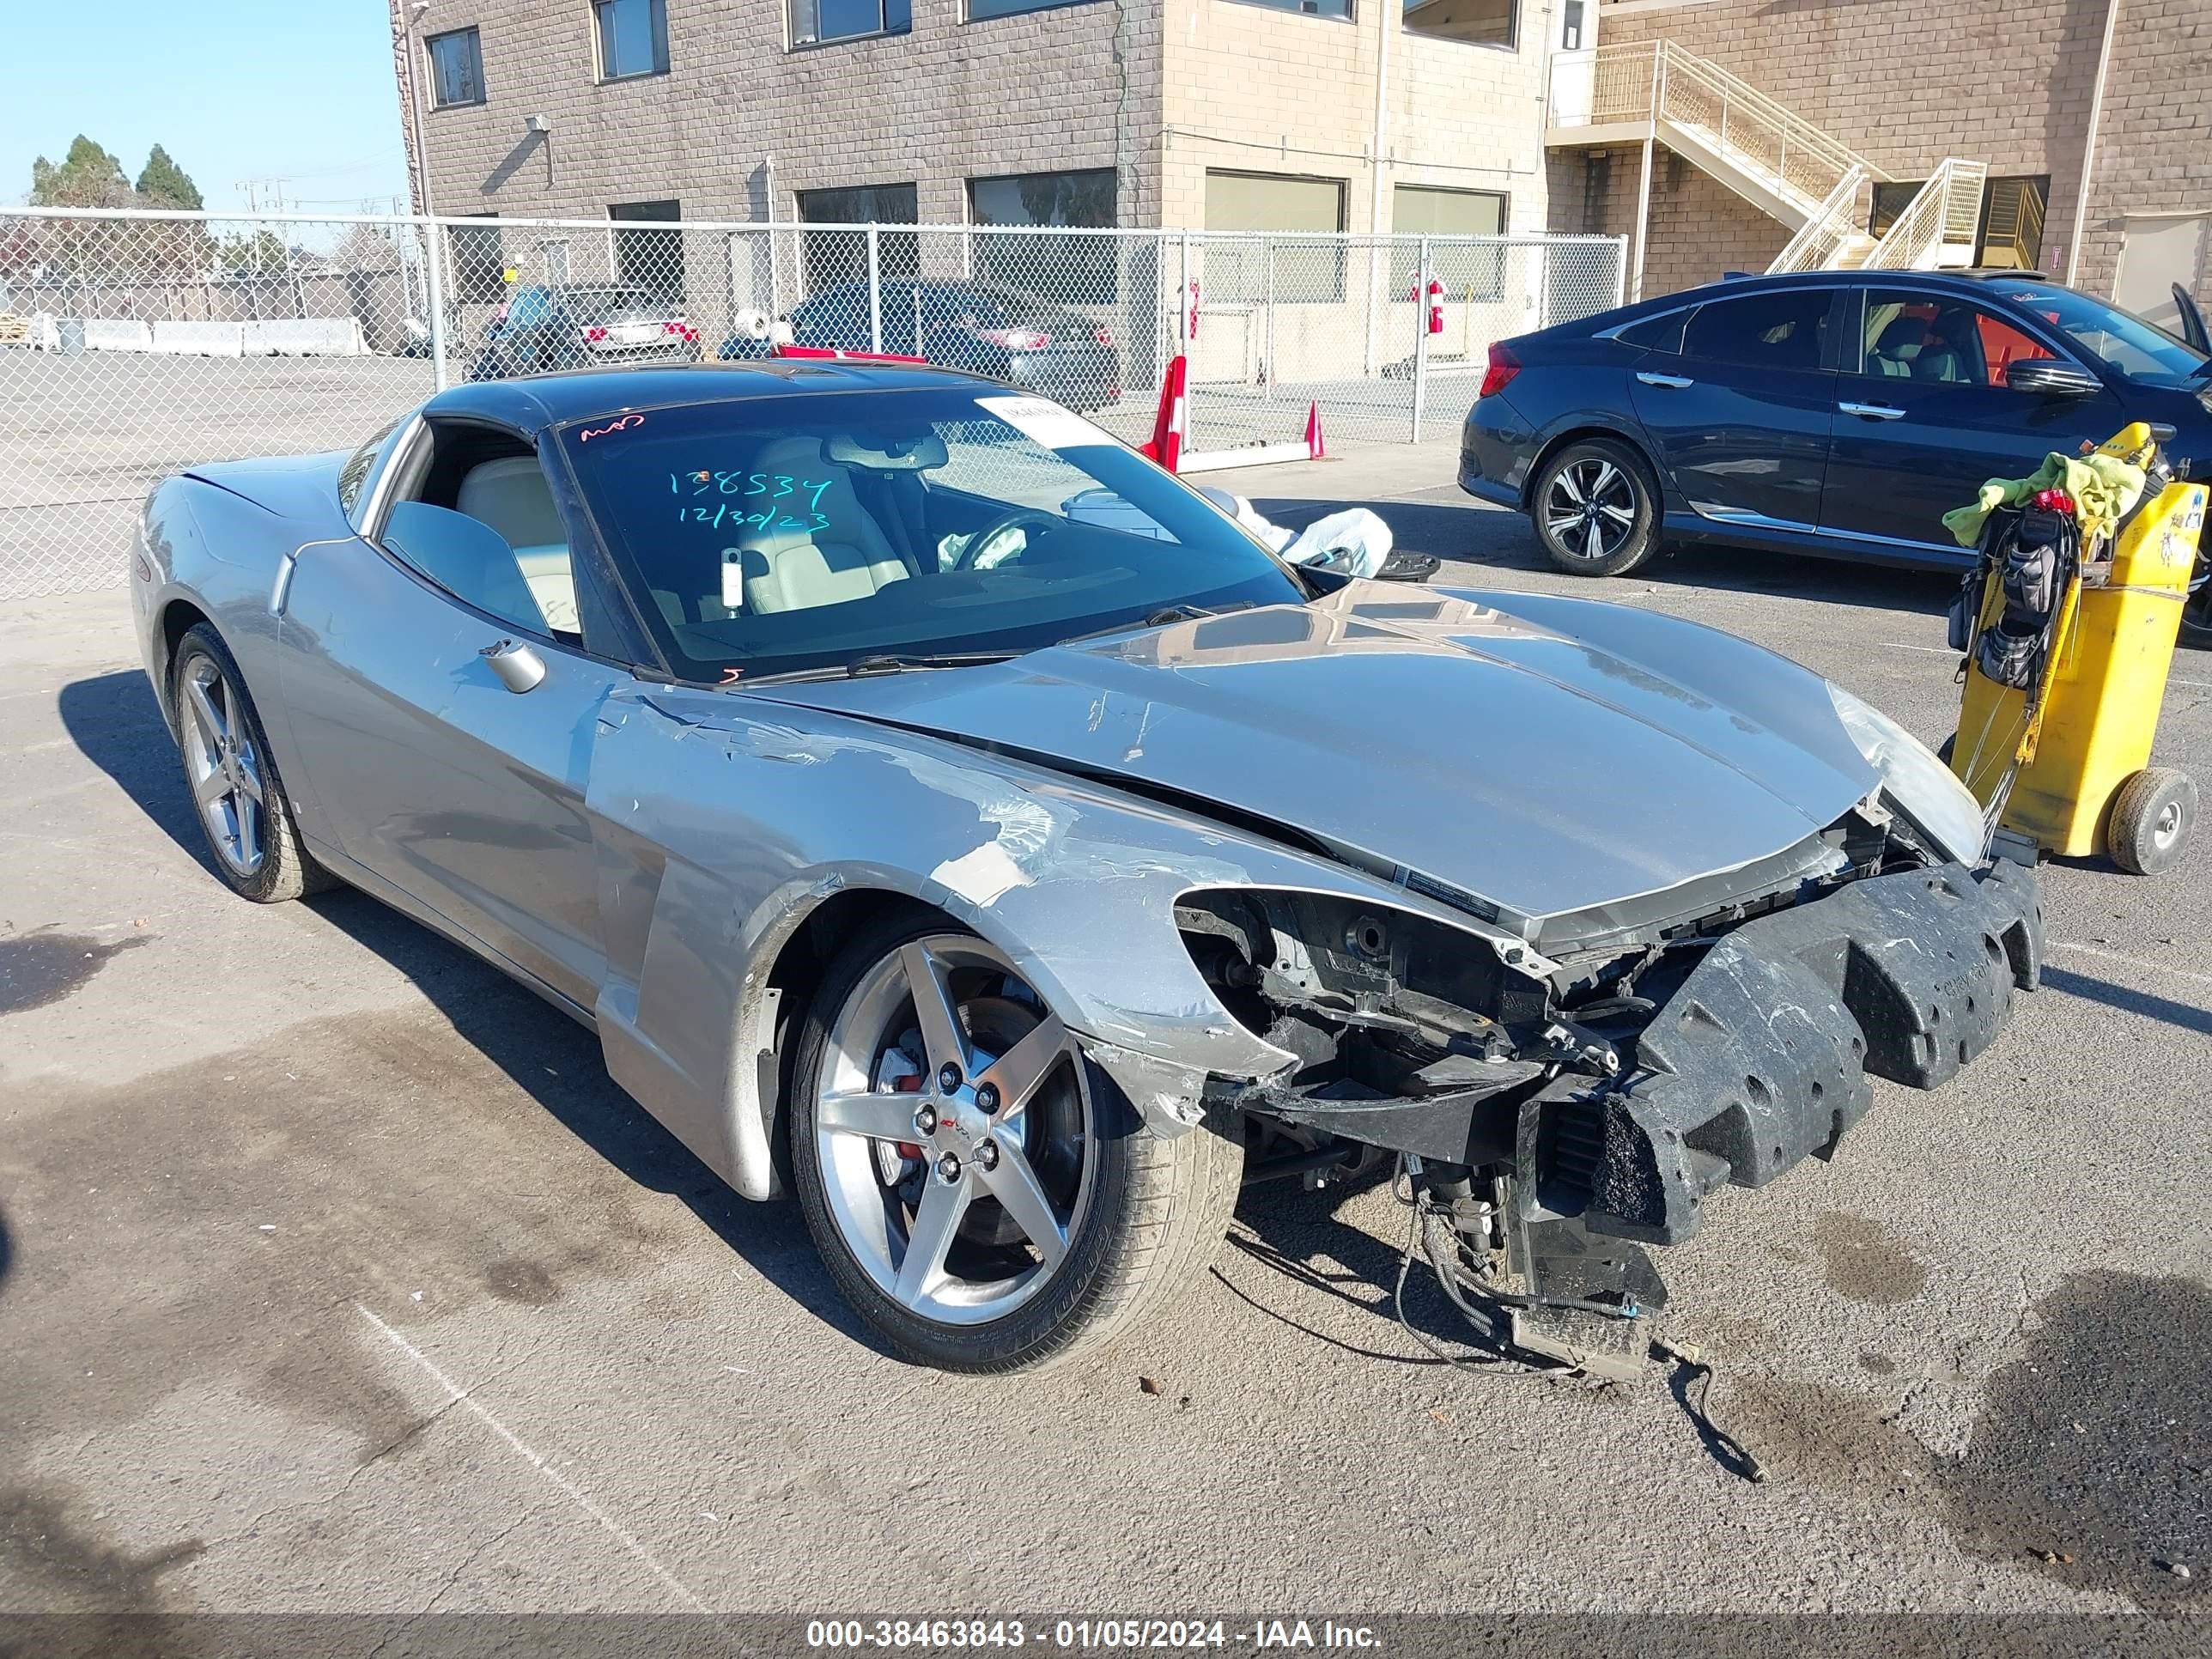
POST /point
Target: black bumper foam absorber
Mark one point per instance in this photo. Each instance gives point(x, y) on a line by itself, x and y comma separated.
point(1763, 1055)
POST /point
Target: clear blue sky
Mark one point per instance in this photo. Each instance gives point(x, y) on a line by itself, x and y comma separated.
point(294, 90)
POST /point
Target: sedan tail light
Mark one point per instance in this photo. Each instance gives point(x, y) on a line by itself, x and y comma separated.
point(593, 336)
point(690, 334)
point(1015, 339)
point(1104, 337)
point(1504, 366)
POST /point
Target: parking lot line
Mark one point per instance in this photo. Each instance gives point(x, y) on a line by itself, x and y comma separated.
point(2143, 963)
point(537, 1460)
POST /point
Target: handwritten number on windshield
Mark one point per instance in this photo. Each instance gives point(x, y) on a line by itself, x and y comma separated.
point(706, 481)
point(767, 518)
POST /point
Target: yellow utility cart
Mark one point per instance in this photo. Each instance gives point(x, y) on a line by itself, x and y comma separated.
point(2061, 763)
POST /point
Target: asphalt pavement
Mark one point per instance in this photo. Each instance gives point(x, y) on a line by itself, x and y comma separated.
point(336, 1276)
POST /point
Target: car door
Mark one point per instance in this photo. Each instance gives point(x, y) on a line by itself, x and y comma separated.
point(1740, 415)
point(422, 765)
point(1924, 416)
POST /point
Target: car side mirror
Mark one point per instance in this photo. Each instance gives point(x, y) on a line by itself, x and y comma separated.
point(2046, 377)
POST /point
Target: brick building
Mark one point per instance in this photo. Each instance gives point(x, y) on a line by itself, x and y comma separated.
point(1474, 115)
point(1903, 84)
point(1233, 113)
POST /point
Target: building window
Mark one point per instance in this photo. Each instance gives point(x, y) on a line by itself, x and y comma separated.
point(1338, 8)
point(1470, 273)
point(474, 254)
point(1571, 26)
point(1478, 22)
point(633, 38)
point(835, 256)
point(1245, 271)
point(1079, 270)
point(2012, 223)
point(814, 22)
point(649, 258)
point(456, 69)
point(980, 10)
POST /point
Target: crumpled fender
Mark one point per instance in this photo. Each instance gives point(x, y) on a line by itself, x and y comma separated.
point(721, 822)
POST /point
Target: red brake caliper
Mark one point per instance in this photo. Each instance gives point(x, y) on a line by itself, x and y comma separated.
point(908, 1085)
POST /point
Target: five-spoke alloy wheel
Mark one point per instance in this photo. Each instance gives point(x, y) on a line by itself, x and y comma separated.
point(228, 767)
point(982, 1195)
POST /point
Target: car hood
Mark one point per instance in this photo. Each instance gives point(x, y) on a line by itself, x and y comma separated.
point(1542, 755)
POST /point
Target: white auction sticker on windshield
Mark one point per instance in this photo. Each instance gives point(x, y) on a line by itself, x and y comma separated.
point(1044, 422)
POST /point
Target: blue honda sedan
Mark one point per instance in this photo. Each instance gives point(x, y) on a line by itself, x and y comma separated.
point(1834, 412)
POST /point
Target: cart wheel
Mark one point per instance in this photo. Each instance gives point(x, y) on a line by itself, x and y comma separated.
point(2152, 817)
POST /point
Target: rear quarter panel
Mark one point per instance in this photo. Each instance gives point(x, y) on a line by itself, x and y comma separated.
point(1565, 386)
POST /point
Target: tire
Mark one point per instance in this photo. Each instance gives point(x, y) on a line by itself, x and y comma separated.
point(253, 842)
point(1582, 493)
point(2152, 817)
point(1138, 1216)
point(1947, 748)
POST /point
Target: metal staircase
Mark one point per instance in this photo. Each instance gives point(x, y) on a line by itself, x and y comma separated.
point(1780, 163)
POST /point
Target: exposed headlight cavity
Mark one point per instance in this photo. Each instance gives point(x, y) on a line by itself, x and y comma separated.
point(1917, 783)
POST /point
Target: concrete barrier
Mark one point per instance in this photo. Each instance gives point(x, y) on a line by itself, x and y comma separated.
point(117, 334)
point(305, 337)
point(198, 339)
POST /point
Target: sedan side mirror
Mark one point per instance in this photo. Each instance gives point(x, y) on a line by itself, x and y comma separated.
point(2046, 377)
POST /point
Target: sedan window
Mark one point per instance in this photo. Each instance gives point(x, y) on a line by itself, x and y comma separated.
point(770, 535)
point(1913, 335)
point(1781, 329)
point(1660, 333)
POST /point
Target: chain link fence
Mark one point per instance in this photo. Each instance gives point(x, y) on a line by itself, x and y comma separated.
point(133, 344)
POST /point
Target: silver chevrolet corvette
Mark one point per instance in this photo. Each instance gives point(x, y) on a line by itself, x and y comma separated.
point(939, 811)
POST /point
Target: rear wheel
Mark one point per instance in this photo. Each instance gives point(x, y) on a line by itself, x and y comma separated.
point(242, 806)
point(1596, 509)
point(985, 1198)
point(2152, 817)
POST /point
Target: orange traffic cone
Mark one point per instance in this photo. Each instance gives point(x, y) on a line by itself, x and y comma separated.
point(1172, 424)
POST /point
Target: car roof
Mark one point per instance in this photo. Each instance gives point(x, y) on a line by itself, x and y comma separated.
point(1962, 282)
point(533, 402)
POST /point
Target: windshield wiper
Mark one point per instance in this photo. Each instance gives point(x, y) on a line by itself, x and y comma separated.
point(863, 667)
point(895, 662)
point(1160, 618)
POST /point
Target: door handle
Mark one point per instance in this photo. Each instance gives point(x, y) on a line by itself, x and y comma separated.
point(1872, 412)
point(1651, 379)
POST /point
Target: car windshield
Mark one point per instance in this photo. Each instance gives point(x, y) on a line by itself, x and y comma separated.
point(774, 534)
point(613, 305)
point(2123, 340)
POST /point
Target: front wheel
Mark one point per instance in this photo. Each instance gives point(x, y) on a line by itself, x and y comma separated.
point(1596, 509)
point(982, 1195)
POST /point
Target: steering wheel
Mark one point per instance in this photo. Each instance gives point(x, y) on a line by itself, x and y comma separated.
point(1013, 520)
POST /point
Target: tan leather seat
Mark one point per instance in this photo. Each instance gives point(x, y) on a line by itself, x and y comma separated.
point(512, 496)
point(798, 570)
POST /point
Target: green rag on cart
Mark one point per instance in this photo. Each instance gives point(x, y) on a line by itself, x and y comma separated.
point(2104, 488)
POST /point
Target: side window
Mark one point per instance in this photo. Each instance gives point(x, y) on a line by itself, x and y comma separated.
point(483, 524)
point(1660, 333)
point(1916, 335)
point(1781, 330)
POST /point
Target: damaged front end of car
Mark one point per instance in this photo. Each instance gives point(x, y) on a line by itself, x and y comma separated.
point(1565, 1090)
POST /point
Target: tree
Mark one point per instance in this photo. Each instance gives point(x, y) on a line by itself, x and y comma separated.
point(88, 177)
point(261, 254)
point(163, 184)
